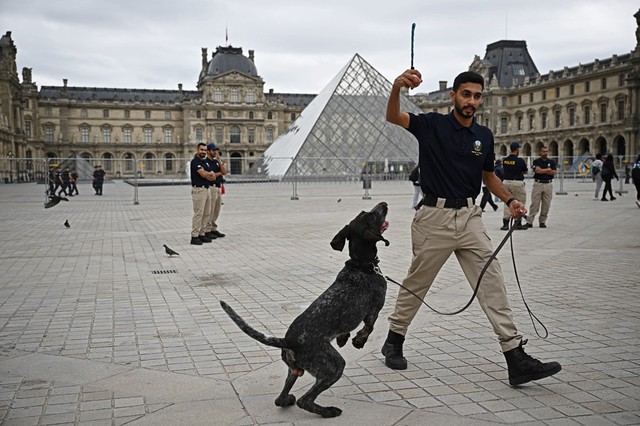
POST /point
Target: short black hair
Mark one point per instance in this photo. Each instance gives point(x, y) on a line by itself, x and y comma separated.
point(598, 156)
point(202, 144)
point(467, 77)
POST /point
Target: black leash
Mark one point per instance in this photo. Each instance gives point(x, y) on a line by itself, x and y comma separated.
point(512, 228)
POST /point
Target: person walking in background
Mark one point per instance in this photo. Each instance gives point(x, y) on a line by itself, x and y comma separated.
point(52, 180)
point(218, 168)
point(98, 179)
point(635, 178)
point(499, 171)
point(65, 176)
point(596, 172)
point(514, 170)
point(414, 177)
point(74, 183)
point(608, 173)
point(487, 198)
point(455, 155)
point(544, 170)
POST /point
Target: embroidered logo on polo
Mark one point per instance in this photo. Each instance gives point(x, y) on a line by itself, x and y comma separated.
point(477, 147)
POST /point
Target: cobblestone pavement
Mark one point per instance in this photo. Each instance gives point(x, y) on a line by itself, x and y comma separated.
point(98, 326)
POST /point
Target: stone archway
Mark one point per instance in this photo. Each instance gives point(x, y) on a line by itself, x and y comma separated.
point(567, 151)
point(553, 149)
point(619, 145)
point(583, 146)
point(601, 145)
point(236, 163)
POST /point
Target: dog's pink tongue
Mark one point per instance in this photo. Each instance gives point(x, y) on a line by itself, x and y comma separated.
point(297, 372)
point(384, 226)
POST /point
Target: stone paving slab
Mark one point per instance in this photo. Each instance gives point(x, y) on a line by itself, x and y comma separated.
point(99, 326)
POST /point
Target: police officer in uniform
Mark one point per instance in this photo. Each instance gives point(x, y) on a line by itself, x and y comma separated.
point(544, 170)
point(219, 169)
point(514, 169)
point(456, 154)
point(201, 177)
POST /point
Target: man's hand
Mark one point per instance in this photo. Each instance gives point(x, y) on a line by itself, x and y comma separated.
point(517, 209)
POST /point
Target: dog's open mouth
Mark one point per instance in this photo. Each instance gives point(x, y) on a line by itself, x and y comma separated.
point(384, 226)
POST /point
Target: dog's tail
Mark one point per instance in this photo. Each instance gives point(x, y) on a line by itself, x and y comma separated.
point(252, 332)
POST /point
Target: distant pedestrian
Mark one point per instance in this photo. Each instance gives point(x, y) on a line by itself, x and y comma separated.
point(596, 173)
point(51, 177)
point(98, 179)
point(635, 178)
point(627, 174)
point(57, 177)
point(608, 173)
point(487, 198)
point(414, 177)
point(514, 170)
point(74, 183)
point(544, 169)
point(65, 177)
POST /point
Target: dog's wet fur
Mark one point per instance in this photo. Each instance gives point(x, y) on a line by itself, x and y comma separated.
point(356, 296)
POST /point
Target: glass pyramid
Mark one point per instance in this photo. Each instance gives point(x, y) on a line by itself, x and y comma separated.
point(343, 131)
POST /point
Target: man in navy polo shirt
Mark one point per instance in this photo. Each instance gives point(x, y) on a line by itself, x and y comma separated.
point(455, 155)
point(544, 169)
point(201, 177)
point(514, 169)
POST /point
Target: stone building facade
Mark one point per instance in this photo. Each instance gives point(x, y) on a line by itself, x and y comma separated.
point(577, 111)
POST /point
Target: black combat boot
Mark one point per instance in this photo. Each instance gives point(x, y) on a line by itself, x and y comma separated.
point(505, 225)
point(524, 368)
point(392, 351)
point(519, 226)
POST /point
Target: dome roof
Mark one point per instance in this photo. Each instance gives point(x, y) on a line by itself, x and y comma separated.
point(227, 59)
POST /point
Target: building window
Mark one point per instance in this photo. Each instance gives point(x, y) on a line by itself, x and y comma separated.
point(518, 69)
point(572, 116)
point(519, 99)
point(48, 112)
point(147, 114)
point(84, 113)
point(572, 89)
point(218, 114)
point(27, 128)
point(128, 162)
point(250, 115)
point(252, 135)
point(198, 114)
point(106, 135)
point(503, 101)
point(148, 133)
point(269, 115)
point(107, 162)
point(167, 115)
point(293, 116)
point(520, 122)
point(621, 109)
point(587, 86)
point(219, 134)
point(531, 97)
point(234, 95)
point(557, 92)
point(105, 113)
point(603, 113)
point(603, 83)
point(531, 122)
point(621, 80)
point(149, 162)
point(587, 114)
point(168, 135)
point(234, 134)
point(556, 114)
point(217, 95)
point(198, 134)
point(543, 117)
point(503, 124)
point(127, 114)
point(269, 135)
point(544, 95)
point(168, 162)
point(251, 97)
point(127, 134)
point(84, 134)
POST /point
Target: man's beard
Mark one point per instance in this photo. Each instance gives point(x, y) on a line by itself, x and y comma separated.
point(461, 111)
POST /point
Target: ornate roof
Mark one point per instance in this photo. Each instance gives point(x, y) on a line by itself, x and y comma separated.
point(227, 59)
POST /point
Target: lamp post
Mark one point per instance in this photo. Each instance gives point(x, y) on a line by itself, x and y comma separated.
point(11, 157)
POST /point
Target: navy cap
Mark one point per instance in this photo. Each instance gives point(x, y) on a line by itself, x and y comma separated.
point(212, 147)
point(514, 146)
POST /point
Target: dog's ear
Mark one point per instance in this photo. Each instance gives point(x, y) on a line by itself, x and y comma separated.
point(340, 239)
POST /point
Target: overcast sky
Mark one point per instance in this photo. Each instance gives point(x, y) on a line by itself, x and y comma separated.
point(300, 45)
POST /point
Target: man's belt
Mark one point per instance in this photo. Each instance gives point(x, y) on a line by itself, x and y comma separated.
point(446, 203)
point(542, 181)
point(517, 180)
point(200, 186)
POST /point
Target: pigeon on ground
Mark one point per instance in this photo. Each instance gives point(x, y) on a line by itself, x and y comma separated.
point(169, 251)
point(339, 199)
point(53, 200)
point(66, 223)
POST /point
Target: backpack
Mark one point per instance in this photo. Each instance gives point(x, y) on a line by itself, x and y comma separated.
point(595, 170)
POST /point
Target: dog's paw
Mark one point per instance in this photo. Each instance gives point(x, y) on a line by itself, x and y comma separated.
point(341, 340)
point(286, 401)
point(330, 412)
point(358, 342)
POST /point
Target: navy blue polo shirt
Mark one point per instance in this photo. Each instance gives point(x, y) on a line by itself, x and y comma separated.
point(196, 164)
point(544, 164)
point(514, 167)
point(451, 156)
point(214, 166)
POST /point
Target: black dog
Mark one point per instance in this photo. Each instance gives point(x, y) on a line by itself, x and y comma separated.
point(356, 296)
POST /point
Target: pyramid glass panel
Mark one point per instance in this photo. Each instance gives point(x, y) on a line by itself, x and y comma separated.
point(343, 131)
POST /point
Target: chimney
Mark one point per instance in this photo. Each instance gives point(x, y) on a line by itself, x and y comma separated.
point(251, 55)
point(204, 57)
point(271, 91)
point(180, 87)
point(64, 81)
point(443, 85)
